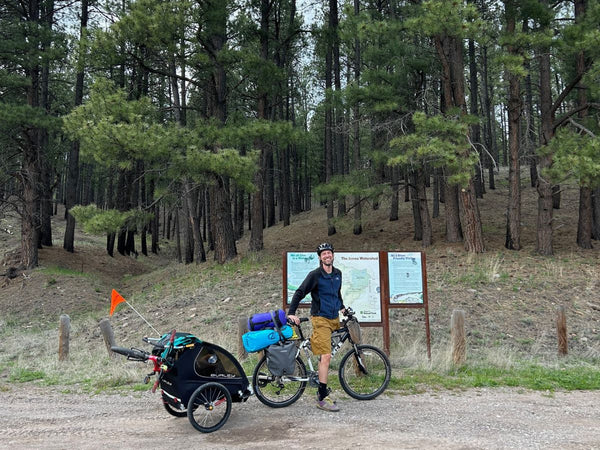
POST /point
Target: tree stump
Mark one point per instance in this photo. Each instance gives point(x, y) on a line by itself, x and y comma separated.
point(109, 336)
point(561, 331)
point(64, 331)
point(458, 337)
point(242, 328)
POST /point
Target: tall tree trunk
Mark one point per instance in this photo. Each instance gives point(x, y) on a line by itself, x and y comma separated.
point(338, 110)
point(475, 129)
point(73, 167)
point(421, 192)
point(452, 213)
point(221, 221)
point(190, 196)
point(513, 214)
point(395, 197)
point(418, 234)
point(450, 53)
point(488, 128)
point(329, 137)
point(188, 233)
point(596, 214)
point(46, 188)
point(585, 222)
point(155, 219)
point(530, 135)
point(260, 177)
point(544, 187)
point(356, 128)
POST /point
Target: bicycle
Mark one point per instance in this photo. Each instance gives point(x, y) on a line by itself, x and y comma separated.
point(364, 371)
point(197, 379)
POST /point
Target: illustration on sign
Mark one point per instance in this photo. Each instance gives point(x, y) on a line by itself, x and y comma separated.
point(361, 288)
point(406, 277)
point(298, 266)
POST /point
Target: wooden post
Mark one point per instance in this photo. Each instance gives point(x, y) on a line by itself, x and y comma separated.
point(457, 333)
point(561, 330)
point(64, 330)
point(108, 334)
point(242, 328)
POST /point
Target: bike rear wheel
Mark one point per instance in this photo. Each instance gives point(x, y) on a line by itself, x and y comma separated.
point(209, 407)
point(278, 392)
point(365, 374)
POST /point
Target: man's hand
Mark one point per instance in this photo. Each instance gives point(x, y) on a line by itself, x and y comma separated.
point(294, 319)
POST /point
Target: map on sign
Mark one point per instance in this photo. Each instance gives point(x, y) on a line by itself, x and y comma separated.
point(361, 288)
point(406, 277)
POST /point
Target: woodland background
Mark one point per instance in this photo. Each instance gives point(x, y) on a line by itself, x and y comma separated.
point(207, 120)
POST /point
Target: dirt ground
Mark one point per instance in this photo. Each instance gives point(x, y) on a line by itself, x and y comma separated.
point(33, 417)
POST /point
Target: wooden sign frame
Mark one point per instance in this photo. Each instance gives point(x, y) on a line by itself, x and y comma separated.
point(385, 303)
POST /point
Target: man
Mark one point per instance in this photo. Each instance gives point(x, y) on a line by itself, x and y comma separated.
point(324, 285)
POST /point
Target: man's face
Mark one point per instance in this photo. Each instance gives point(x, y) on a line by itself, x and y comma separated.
point(326, 257)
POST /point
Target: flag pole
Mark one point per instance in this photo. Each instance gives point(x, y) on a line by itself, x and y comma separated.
point(136, 311)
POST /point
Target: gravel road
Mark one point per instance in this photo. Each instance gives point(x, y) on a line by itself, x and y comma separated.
point(33, 417)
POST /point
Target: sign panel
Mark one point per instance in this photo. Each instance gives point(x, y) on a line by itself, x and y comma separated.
point(361, 285)
point(405, 277)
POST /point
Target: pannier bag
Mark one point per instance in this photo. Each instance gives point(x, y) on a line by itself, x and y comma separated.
point(281, 358)
point(255, 341)
point(271, 319)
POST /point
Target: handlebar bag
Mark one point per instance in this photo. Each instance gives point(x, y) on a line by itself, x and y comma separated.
point(265, 320)
point(255, 341)
point(281, 358)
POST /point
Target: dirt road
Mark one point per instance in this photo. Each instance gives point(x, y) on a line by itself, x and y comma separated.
point(32, 417)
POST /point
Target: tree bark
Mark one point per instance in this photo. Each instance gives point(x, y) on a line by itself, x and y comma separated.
point(191, 199)
point(596, 214)
point(544, 187)
point(421, 192)
point(357, 229)
point(221, 220)
point(450, 53)
point(471, 222)
point(513, 214)
point(585, 221)
point(73, 167)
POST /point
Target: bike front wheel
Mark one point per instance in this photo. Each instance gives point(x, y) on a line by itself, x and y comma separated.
point(365, 372)
point(278, 392)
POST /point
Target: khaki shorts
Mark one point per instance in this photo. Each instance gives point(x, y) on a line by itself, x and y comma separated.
point(320, 341)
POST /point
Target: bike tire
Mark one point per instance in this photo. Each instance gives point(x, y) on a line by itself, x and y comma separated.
point(131, 353)
point(209, 407)
point(275, 392)
point(358, 384)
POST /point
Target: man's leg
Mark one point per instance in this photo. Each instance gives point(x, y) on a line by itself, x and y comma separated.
point(324, 362)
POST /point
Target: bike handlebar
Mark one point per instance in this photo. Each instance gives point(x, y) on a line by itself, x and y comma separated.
point(132, 354)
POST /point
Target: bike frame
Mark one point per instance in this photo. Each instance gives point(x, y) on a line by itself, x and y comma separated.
point(338, 338)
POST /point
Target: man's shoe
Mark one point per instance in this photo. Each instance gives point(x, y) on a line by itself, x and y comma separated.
point(327, 405)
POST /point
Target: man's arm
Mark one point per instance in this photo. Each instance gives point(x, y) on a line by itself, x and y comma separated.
point(342, 307)
point(307, 286)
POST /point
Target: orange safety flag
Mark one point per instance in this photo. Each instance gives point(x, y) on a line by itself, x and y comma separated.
point(115, 299)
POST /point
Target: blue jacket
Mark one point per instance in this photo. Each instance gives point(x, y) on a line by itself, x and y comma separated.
point(325, 290)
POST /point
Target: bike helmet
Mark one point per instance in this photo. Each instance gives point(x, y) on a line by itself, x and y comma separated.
point(324, 246)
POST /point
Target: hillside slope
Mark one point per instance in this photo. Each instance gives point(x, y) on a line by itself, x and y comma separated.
point(509, 298)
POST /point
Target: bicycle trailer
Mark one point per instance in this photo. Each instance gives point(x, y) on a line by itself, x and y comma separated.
point(197, 379)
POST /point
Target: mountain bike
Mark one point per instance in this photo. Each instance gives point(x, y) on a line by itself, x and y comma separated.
point(364, 371)
point(197, 379)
